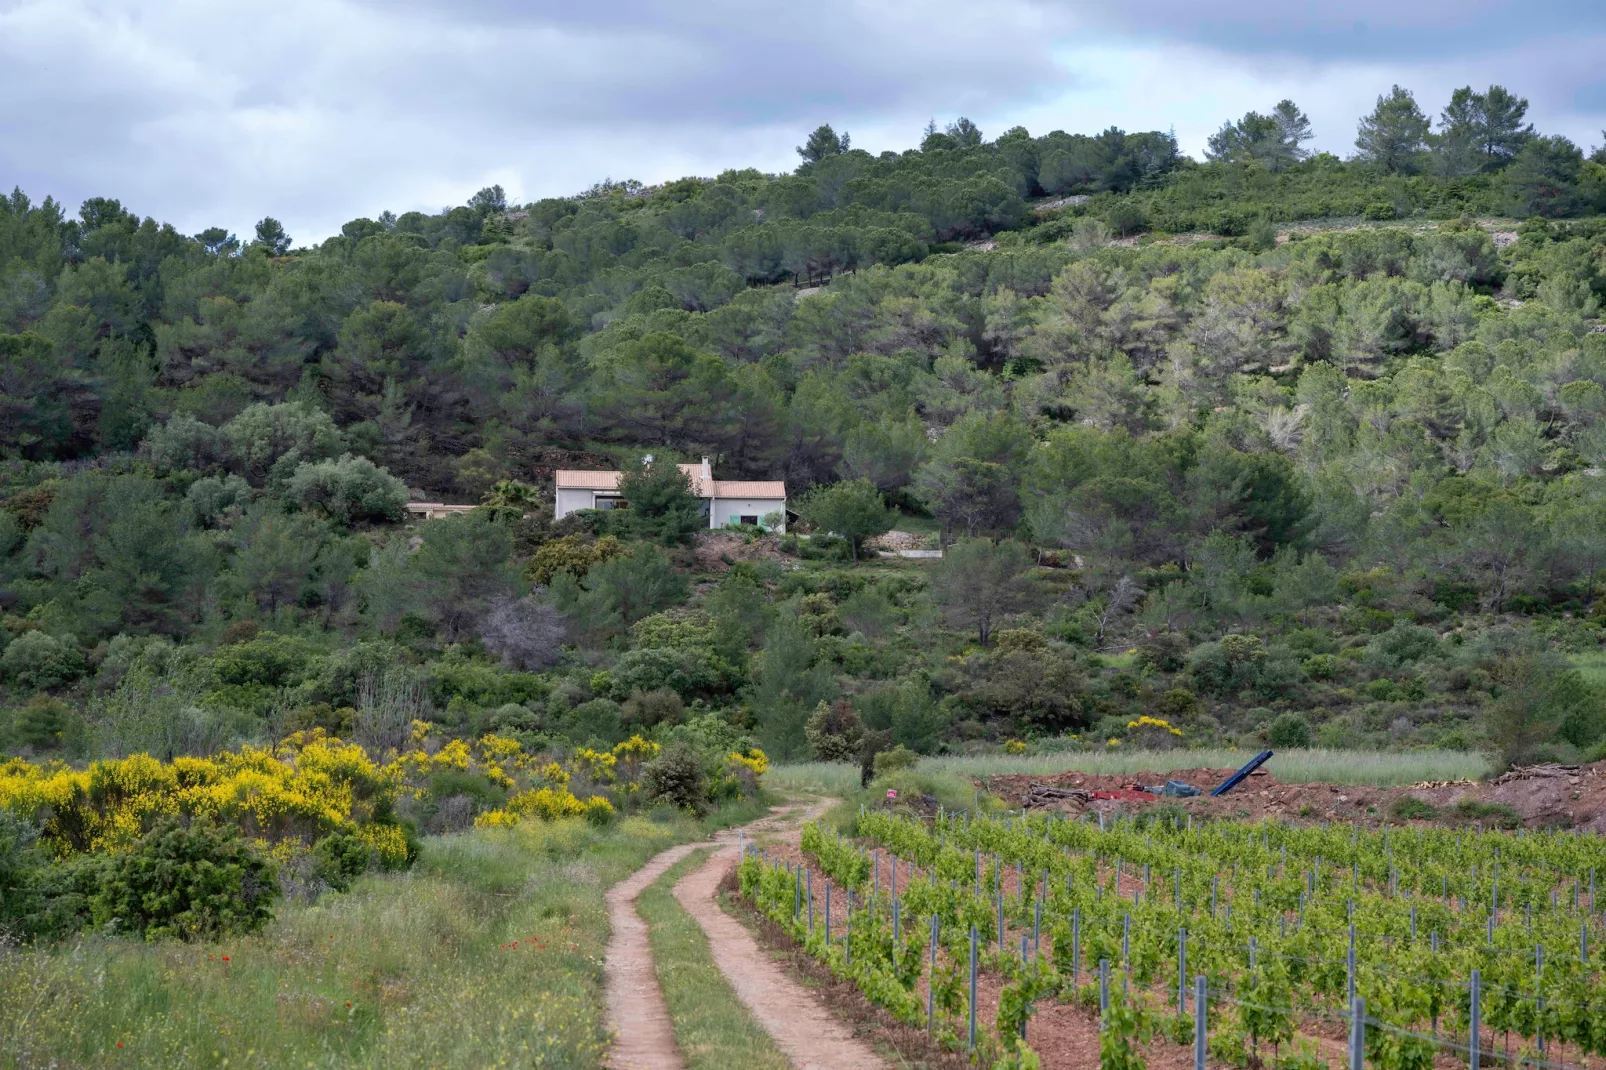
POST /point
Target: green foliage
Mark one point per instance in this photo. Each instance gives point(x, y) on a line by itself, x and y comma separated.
point(853, 509)
point(194, 882)
point(38, 662)
point(348, 489)
point(1289, 730)
point(662, 506)
point(677, 777)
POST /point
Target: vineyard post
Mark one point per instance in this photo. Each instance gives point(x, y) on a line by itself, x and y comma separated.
point(1104, 990)
point(894, 878)
point(931, 983)
point(1215, 884)
point(1199, 996)
point(1539, 992)
point(1413, 923)
point(1349, 961)
point(1491, 930)
point(1583, 942)
point(875, 873)
point(797, 891)
point(1178, 875)
point(809, 874)
point(1076, 945)
point(1000, 920)
point(1037, 927)
point(828, 913)
point(972, 988)
point(1126, 942)
point(847, 938)
point(1182, 970)
point(895, 928)
point(1023, 943)
point(741, 853)
point(1474, 1017)
point(1357, 1034)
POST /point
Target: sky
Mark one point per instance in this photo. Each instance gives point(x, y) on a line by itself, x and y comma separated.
point(320, 111)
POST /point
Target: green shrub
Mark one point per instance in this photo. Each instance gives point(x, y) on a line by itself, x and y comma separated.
point(677, 777)
point(1500, 815)
point(38, 662)
point(351, 488)
point(196, 881)
point(1289, 730)
point(340, 858)
point(1410, 808)
point(1380, 210)
point(895, 760)
point(43, 723)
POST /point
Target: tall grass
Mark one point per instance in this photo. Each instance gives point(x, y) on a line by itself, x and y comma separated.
point(1373, 768)
point(489, 952)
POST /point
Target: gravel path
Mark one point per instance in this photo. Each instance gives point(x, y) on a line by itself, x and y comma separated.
point(801, 1026)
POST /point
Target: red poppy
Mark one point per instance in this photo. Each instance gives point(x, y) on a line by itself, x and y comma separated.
point(348, 1002)
point(225, 958)
point(119, 1043)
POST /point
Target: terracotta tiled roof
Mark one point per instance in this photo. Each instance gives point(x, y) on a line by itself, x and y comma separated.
point(574, 480)
point(569, 479)
point(737, 488)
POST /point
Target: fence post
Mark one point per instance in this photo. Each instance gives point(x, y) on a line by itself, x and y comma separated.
point(1349, 961)
point(1199, 996)
point(1182, 970)
point(1475, 1018)
point(1076, 945)
point(1357, 1034)
point(972, 988)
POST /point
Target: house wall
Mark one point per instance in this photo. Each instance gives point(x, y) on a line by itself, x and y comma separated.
point(727, 510)
point(570, 500)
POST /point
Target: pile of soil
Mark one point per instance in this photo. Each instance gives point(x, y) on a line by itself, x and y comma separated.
point(897, 540)
point(716, 551)
point(1543, 796)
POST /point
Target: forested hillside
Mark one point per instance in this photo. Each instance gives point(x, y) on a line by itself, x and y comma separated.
point(1270, 446)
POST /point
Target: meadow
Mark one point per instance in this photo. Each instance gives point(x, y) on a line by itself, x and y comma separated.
point(488, 952)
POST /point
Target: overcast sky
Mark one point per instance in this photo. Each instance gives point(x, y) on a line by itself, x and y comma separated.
point(318, 111)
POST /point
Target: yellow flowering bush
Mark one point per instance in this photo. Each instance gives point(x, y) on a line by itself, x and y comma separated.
point(1014, 746)
point(754, 759)
point(595, 766)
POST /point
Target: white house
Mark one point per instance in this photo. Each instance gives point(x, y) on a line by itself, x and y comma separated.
point(728, 500)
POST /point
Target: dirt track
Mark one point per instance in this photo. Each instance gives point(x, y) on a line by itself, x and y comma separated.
point(644, 1037)
point(804, 1030)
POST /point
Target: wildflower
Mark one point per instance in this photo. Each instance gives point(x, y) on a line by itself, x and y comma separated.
point(225, 958)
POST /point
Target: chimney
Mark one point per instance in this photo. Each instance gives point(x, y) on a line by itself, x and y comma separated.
point(708, 471)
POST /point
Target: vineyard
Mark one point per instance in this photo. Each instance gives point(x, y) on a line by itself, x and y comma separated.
point(1310, 945)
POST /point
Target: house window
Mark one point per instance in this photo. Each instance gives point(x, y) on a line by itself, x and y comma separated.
point(612, 503)
point(748, 519)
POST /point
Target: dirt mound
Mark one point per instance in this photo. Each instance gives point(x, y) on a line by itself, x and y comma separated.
point(1543, 796)
point(716, 551)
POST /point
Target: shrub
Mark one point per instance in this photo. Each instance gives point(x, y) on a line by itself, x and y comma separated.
point(1380, 210)
point(895, 760)
point(835, 732)
point(677, 777)
point(1410, 808)
point(572, 554)
point(1500, 815)
point(198, 881)
point(348, 489)
point(42, 723)
point(339, 858)
point(1289, 730)
point(38, 661)
point(689, 671)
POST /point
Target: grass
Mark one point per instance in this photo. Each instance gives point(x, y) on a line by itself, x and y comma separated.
point(1592, 667)
point(712, 1027)
point(488, 952)
point(1372, 768)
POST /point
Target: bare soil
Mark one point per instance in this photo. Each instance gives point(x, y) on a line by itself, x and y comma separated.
point(716, 551)
point(801, 1025)
point(1543, 798)
point(644, 1038)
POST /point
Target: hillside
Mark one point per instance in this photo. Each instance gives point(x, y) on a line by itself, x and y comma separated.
point(1312, 452)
